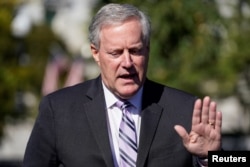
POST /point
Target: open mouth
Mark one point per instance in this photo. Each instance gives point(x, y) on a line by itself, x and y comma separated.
point(128, 76)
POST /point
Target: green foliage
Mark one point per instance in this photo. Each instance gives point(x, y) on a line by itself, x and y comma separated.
point(183, 41)
point(22, 62)
point(6, 77)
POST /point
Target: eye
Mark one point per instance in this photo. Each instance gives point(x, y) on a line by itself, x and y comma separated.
point(115, 53)
point(135, 51)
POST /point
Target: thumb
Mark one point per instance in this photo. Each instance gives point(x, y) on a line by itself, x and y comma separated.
point(182, 133)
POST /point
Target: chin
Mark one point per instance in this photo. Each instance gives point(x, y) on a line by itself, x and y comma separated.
point(128, 94)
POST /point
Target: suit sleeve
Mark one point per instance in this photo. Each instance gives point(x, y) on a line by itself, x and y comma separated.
point(41, 147)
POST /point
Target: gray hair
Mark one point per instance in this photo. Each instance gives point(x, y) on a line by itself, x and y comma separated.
point(117, 13)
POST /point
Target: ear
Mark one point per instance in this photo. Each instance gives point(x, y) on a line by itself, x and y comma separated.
point(95, 53)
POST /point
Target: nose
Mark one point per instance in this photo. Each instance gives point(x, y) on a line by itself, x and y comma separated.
point(127, 59)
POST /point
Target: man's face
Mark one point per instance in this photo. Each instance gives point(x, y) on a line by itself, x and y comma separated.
point(122, 57)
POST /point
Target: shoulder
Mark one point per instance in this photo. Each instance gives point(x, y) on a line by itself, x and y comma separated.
point(73, 94)
point(78, 89)
point(165, 92)
point(176, 105)
point(171, 99)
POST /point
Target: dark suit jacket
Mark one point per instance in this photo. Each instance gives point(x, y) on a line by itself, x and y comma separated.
point(71, 128)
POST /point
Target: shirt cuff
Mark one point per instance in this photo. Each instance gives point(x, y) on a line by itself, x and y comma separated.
point(203, 162)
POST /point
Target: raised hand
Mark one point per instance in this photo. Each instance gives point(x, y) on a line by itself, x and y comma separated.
point(205, 134)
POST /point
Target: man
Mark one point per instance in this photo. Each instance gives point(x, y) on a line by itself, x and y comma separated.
point(82, 125)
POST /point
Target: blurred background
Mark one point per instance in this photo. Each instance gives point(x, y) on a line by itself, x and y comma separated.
point(200, 46)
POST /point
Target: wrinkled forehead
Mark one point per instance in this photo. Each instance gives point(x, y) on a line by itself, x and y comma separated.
point(112, 24)
point(116, 22)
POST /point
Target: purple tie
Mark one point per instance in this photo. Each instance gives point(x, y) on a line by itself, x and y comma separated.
point(127, 137)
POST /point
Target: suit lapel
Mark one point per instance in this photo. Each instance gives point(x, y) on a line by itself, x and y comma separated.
point(95, 111)
point(150, 119)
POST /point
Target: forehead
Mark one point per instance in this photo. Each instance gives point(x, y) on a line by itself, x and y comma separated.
point(126, 32)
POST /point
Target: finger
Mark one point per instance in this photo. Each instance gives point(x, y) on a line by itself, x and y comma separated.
point(205, 110)
point(197, 112)
point(182, 133)
point(212, 114)
point(218, 122)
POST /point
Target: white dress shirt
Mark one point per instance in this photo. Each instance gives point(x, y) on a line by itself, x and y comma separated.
point(114, 115)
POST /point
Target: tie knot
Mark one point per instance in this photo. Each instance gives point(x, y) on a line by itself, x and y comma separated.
point(123, 105)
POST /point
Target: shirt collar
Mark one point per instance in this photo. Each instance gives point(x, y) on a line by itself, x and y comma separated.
point(111, 99)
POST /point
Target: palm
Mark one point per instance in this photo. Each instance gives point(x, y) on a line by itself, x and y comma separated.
point(204, 136)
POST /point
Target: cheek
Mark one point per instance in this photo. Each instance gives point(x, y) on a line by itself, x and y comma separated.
point(108, 67)
point(142, 64)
